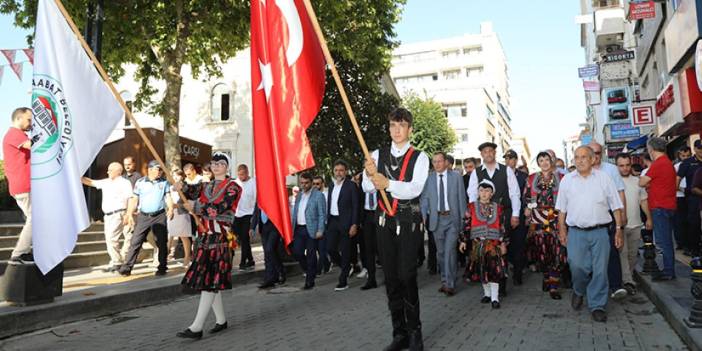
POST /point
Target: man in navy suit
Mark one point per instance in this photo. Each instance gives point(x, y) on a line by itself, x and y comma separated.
point(342, 221)
point(308, 224)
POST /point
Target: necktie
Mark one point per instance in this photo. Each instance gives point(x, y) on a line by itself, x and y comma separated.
point(371, 201)
point(442, 195)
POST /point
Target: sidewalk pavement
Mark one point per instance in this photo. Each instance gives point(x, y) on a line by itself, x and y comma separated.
point(674, 299)
point(90, 293)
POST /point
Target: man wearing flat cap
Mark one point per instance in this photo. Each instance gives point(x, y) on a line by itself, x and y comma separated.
point(152, 200)
point(506, 188)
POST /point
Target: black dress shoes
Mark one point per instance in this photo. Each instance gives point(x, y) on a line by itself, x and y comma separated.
point(576, 302)
point(415, 341)
point(399, 342)
point(266, 285)
point(369, 285)
point(218, 328)
point(189, 334)
point(308, 286)
point(599, 316)
point(495, 305)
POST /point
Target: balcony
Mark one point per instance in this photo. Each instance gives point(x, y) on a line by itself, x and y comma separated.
point(610, 25)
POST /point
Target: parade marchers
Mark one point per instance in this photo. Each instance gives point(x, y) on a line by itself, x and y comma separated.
point(580, 228)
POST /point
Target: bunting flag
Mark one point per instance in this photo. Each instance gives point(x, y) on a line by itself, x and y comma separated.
point(17, 68)
point(30, 54)
point(10, 55)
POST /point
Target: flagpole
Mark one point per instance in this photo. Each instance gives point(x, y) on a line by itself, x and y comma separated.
point(342, 91)
point(117, 96)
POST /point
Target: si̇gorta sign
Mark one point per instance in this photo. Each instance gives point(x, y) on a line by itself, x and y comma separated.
point(618, 56)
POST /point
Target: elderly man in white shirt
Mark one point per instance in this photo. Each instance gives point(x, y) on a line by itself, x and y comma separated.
point(584, 200)
point(244, 212)
point(116, 191)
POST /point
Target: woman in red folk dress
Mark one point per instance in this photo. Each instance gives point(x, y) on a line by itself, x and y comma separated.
point(487, 262)
point(215, 204)
point(543, 246)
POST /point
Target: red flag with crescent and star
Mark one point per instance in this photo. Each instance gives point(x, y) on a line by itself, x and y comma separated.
point(287, 84)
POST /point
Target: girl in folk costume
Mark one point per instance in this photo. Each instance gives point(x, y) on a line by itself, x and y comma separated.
point(215, 205)
point(487, 262)
point(543, 246)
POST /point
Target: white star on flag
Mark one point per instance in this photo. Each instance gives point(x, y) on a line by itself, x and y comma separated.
point(266, 78)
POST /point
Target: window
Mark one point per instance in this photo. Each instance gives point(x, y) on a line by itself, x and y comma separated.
point(474, 72)
point(450, 53)
point(452, 74)
point(417, 79)
point(472, 51)
point(455, 110)
point(464, 138)
point(129, 99)
point(221, 107)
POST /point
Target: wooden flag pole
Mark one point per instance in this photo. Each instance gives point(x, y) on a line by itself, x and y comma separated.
point(342, 91)
point(121, 102)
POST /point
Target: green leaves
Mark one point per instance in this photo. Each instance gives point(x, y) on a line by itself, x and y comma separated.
point(431, 131)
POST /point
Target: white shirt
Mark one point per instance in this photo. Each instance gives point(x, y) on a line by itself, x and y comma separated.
point(587, 200)
point(247, 202)
point(442, 179)
point(302, 207)
point(334, 208)
point(198, 178)
point(402, 190)
point(633, 194)
point(683, 182)
point(512, 184)
point(369, 203)
point(115, 193)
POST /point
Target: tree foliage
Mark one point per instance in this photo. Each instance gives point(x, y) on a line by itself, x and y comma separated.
point(431, 131)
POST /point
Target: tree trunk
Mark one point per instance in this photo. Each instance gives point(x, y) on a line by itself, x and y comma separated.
point(171, 116)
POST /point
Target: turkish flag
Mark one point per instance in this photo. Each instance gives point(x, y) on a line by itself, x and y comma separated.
point(287, 84)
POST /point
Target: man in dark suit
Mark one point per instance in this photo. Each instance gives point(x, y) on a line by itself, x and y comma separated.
point(516, 252)
point(342, 221)
point(270, 238)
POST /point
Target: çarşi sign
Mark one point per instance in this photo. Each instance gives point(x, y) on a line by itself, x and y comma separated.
point(639, 10)
point(589, 71)
point(665, 100)
point(619, 56)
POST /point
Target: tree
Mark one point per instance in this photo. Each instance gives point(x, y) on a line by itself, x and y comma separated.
point(431, 131)
point(160, 37)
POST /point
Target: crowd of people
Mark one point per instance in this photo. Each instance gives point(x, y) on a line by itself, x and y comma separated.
point(578, 227)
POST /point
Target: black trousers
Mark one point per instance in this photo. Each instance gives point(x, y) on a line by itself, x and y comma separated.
point(693, 221)
point(271, 240)
point(305, 251)
point(398, 255)
point(431, 252)
point(144, 224)
point(242, 225)
point(371, 243)
point(339, 247)
point(681, 236)
point(516, 251)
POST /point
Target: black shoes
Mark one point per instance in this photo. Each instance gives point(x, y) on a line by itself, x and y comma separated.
point(160, 272)
point(188, 334)
point(308, 286)
point(341, 287)
point(599, 316)
point(495, 305)
point(369, 285)
point(517, 278)
point(415, 341)
point(555, 295)
point(266, 285)
point(399, 342)
point(576, 302)
point(124, 271)
point(249, 266)
point(485, 299)
point(218, 328)
point(662, 277)
point(282, 279)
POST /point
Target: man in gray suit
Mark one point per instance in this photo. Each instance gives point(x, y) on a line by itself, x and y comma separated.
point(443, 205)
point(308, 220)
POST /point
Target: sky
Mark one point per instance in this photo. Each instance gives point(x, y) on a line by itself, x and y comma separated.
point(542, 43)
point(13, 93)
point(540, 39)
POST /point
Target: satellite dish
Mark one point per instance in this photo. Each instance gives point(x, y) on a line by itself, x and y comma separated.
point(698, 64)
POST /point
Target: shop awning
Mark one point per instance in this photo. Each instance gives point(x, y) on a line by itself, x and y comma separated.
point(637, 143)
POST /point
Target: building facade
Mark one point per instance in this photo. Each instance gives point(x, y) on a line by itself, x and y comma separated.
point(468, 76)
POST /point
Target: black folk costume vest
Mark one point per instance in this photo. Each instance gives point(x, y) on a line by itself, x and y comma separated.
point(499, 178)
point(399, 169)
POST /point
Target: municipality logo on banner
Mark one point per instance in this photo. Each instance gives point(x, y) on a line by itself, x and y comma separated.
point(74, 113)
point(52, 126)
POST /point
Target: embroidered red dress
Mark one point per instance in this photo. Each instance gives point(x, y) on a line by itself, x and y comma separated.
point(215, 205)
point(543, 246)
point(487, 263)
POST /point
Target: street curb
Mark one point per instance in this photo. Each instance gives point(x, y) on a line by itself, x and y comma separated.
point(107, 300)
point(662, 296)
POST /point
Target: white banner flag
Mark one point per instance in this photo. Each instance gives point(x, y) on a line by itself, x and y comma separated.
point(73, 114)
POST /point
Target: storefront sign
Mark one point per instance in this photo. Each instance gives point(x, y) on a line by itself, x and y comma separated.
point(642, 10)
point(590, 85)
point(624, 131)
point(589, 71)
point(665, 100)
point(619, 56)
point(189, 151)
point(642, 115)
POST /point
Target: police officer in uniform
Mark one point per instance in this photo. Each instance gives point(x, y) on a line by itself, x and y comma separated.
point(401, 171)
